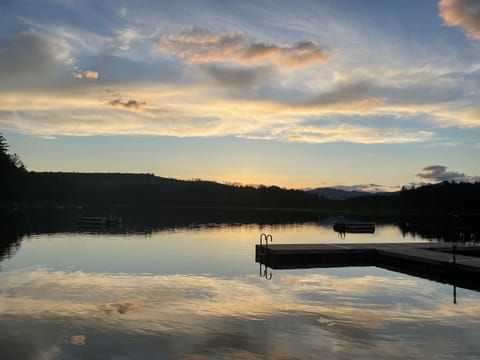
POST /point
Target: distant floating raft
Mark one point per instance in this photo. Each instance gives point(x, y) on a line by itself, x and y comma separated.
point(356, 228)
point(98, 222)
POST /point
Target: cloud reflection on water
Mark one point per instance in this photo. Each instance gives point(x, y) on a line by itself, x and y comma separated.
point(197, 317)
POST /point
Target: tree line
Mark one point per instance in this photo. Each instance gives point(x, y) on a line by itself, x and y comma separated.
point(445, 196)
point(19, 186)
point(150, 190)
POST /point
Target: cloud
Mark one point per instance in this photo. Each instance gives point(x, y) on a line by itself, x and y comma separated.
point(198, 111)
point(124, 39)
point(38, 59)
point(197, 45)
point(371, 102)
point(237, 77)
point(74, 39)
point(352, 133)
point(462, 13)
point(116, 101)
point(469, 117)
point(377, 88)
point(27, 54)
point(87, 74)
point(344, 91)
point(90, 74)
point(373, 188)
point(439, 173)
point(130, 104)
point(123, 11)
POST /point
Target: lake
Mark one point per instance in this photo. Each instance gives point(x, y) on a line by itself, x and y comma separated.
point(171, 285)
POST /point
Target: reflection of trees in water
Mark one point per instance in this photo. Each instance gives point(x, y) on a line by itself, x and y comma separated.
point(14, 226)
point(49, 220)
point(12, 232)
point(9, 247)
point(193, 218)
point(149, 220)
point(439, 232)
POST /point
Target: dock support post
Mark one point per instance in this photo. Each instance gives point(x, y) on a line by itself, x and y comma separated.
point(454, 250)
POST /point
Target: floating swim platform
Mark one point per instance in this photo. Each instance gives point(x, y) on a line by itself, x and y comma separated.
point(99, 222)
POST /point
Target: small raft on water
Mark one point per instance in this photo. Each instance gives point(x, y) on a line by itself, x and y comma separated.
point(357, 228)
point(98, 222)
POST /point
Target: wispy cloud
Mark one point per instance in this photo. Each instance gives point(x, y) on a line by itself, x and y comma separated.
point(371, 102)
point(462, 13)
point(80, 40)
point(373, 188)
point(124, 39)
point(353, 133)
point(198, 111)
point(198, 45)
point(237, 87)
point(237, 77)
point(40, 59)
point(439, 173)
point(344, 92)
point(28, 54)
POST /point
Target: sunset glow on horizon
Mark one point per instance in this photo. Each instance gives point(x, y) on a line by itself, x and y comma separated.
point(371, 95)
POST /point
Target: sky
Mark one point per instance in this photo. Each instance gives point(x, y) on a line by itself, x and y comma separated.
point(301, 94)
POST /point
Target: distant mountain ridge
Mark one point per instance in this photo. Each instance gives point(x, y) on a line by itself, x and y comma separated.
point(337, 194)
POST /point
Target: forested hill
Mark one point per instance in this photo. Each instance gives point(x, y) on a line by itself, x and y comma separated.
point(72, 189)
point(441, 197)
point(147, 189)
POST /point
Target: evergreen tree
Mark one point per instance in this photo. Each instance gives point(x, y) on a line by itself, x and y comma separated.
point(3, 145)
point(12, 175)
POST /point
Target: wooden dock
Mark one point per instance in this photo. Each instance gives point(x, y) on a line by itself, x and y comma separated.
point(458, 265)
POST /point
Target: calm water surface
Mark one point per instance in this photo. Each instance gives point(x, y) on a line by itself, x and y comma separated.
point(196, 293)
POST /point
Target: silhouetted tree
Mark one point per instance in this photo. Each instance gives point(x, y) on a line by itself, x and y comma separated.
point(15, 159)
point(3, 145)
point(13, 175)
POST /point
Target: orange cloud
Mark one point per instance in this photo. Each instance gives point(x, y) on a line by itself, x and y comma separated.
point(87, 74)
point(371, 102)
point(295, 137)
point(463, 13)
point(90, 74)
point(202, 46)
